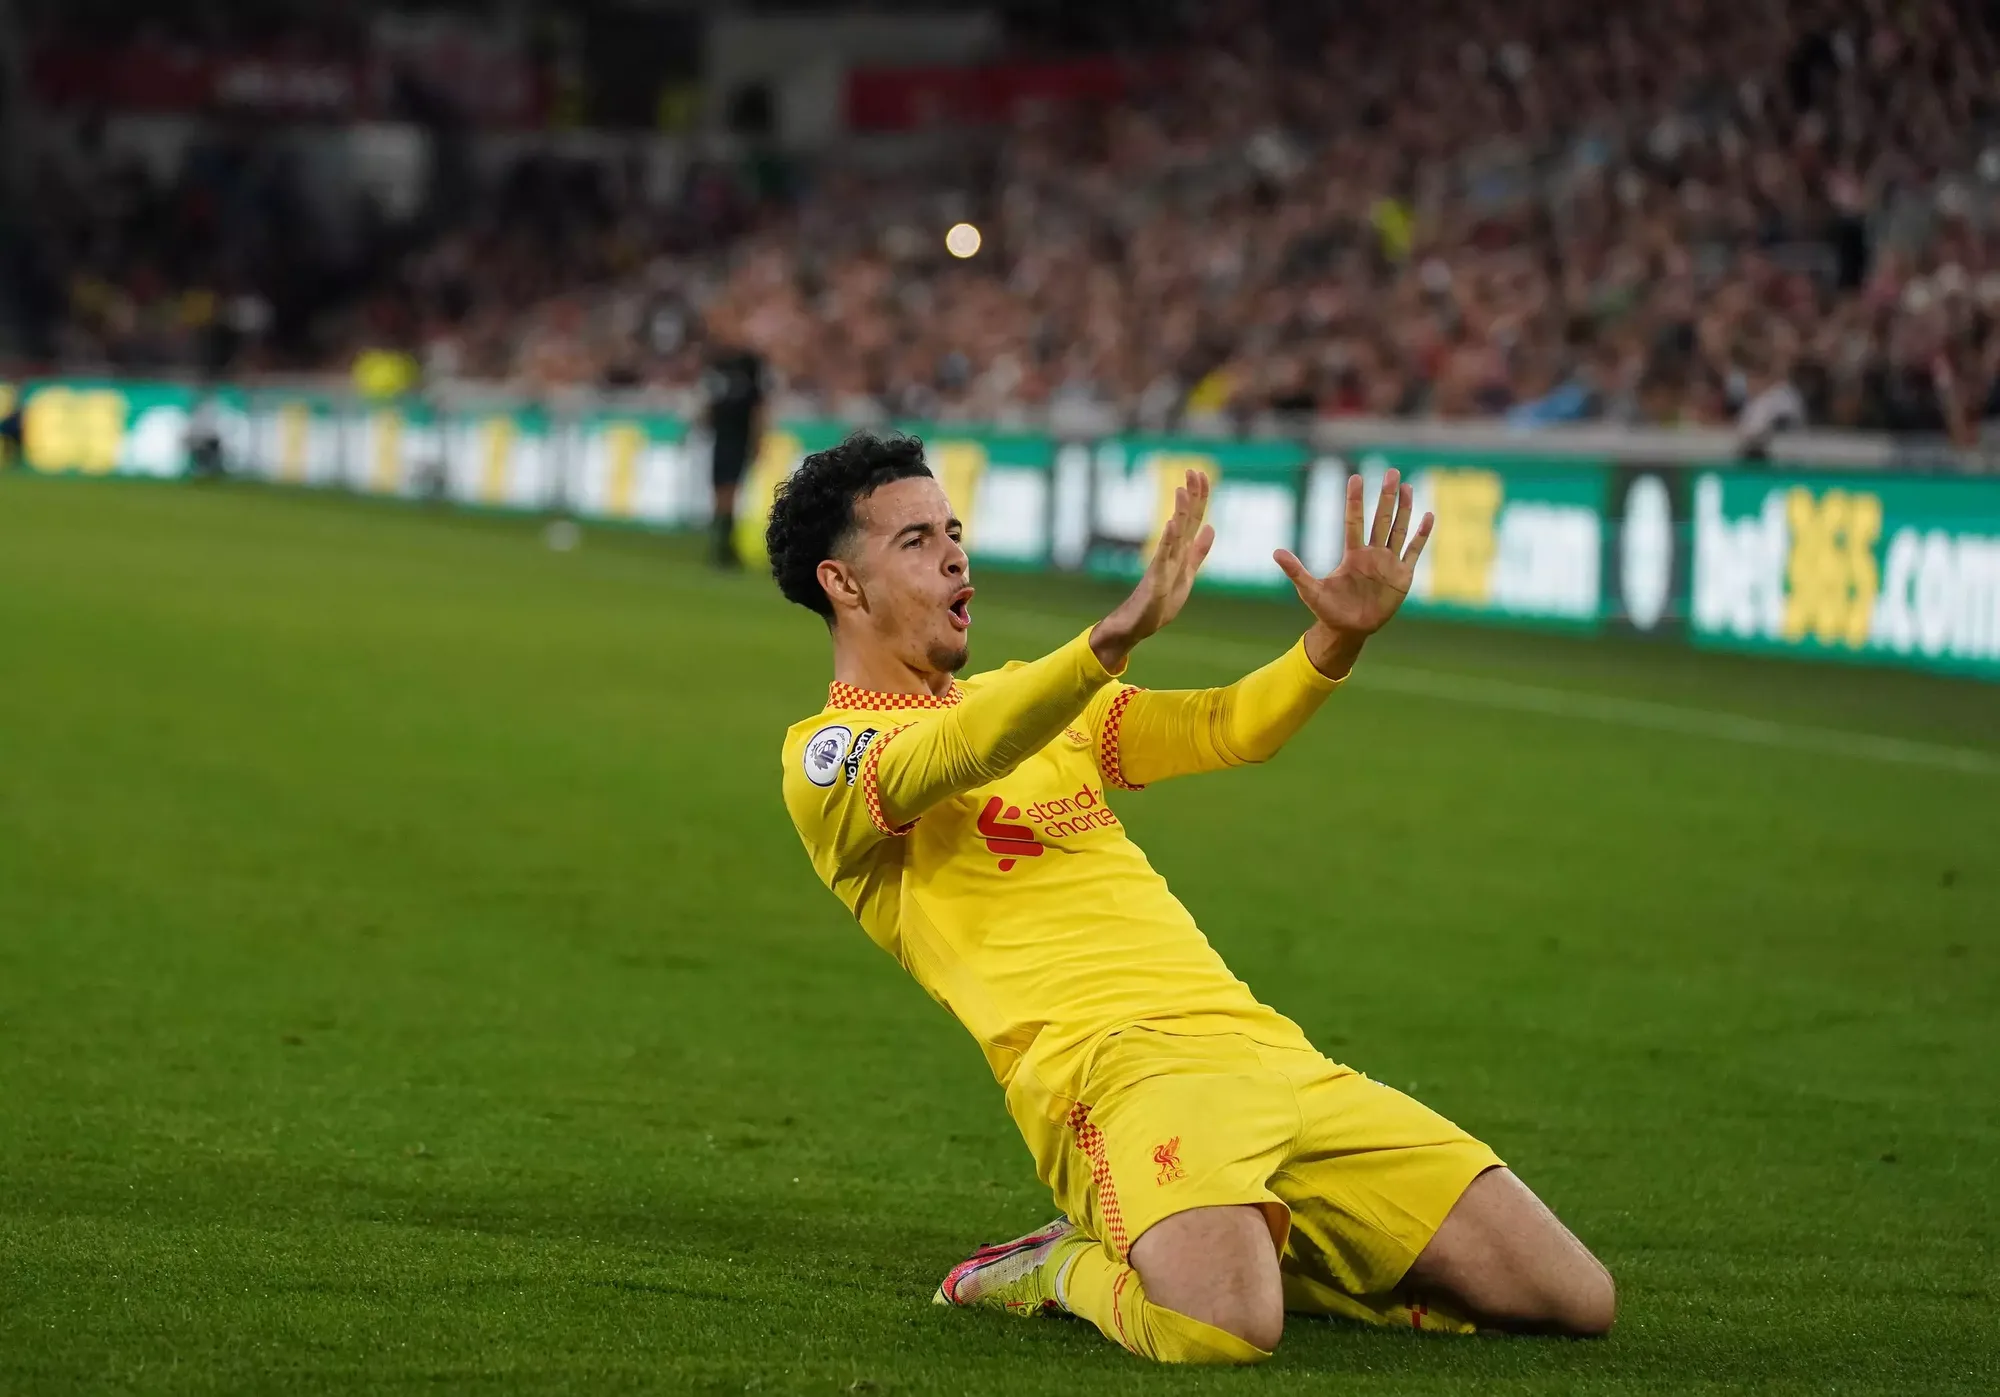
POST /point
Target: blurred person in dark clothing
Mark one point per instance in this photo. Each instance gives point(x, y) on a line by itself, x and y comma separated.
point(733, 387)
point(10, 429)
point(205, 460)
point(1771, 402)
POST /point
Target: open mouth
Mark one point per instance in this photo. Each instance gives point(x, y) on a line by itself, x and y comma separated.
point(960, 608)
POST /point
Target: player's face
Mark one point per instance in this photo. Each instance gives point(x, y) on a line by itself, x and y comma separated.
point(914, 574)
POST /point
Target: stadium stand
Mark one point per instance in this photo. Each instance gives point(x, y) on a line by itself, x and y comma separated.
point(1700, 212)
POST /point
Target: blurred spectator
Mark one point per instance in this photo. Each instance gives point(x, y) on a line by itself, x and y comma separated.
point(733, 413)
point(1770, 403)
point(384, 373)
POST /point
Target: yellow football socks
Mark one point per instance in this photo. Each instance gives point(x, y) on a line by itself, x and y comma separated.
point(1112, 1297)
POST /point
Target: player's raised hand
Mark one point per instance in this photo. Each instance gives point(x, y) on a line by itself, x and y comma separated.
point(1169, 576)
point(1360, 596)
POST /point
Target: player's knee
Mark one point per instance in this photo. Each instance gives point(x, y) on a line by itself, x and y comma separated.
point(1591, 1307)
point(1259, 1325)
point(1217, 1268)
point(1262, 1329)
point(1583, 1306)
point(1257, 1321)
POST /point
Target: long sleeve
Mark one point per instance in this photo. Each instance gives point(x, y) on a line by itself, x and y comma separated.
point(1000, 723)
point(1149, 735)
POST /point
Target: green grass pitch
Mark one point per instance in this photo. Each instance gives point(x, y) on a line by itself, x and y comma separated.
point(409, 980)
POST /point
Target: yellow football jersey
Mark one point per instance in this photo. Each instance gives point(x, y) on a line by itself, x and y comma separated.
point(1014, 895)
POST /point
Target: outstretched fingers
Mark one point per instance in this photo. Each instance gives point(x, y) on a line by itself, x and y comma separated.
point(1301, 576)
point(1171, 531)
point(1354, 544)
point(1184, 538)
point(1204, 540)
point(1197, 488)
point(1406, 505)
point(1191, 537)
point(1385, 509)
point(1418, 540)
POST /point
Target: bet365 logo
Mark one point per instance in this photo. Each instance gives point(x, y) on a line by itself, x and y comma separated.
point(1801, 566)
point(1901, 567)
point(1830, 574)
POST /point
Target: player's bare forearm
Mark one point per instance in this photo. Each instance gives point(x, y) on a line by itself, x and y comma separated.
point(1333, 652)
point(1114, 638)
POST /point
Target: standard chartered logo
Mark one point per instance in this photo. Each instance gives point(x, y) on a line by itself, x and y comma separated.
point(1810, 566)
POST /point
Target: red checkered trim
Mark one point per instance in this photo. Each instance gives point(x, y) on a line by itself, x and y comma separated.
point(1090, 1140)
point(871, 790)
point(1107, 743)
point(846, 696)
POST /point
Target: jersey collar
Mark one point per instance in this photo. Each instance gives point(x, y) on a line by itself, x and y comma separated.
point(847, 696)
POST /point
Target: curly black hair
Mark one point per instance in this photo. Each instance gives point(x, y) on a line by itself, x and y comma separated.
point(814, 510)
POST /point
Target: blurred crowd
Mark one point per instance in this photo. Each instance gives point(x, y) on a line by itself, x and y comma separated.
point(1685, 212)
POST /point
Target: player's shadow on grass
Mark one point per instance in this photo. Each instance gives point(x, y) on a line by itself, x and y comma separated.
point(724, 1251)
point(665, 1253)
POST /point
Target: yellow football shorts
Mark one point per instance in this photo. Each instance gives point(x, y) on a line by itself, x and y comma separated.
point(1354, 1176)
